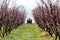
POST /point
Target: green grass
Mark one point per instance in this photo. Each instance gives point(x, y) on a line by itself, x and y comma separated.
point(28, 32)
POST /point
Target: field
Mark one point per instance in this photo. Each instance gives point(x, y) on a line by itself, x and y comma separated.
point(28, 32)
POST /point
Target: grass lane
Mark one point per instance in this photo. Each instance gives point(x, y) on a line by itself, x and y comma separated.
point(28, 32)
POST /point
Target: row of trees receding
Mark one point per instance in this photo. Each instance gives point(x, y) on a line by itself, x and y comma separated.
point(48, 18)
point(10, 18)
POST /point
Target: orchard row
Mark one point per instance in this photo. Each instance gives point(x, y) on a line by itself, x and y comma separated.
point(10, 18)
point(48, 18)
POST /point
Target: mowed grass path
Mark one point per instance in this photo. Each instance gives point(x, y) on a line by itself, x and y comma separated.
point(28, 32)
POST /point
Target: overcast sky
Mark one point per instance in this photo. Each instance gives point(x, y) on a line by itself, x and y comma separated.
point(29, 5)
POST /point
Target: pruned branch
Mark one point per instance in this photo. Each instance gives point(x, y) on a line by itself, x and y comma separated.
point(44, 3)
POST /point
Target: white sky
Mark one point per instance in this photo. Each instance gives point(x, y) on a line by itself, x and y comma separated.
point(29, 5)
